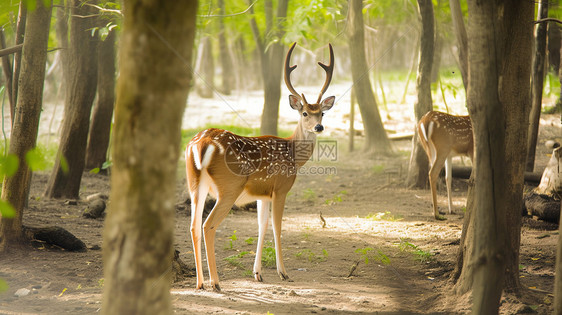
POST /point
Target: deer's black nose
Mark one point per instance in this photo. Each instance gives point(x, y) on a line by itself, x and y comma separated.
point(318, 128)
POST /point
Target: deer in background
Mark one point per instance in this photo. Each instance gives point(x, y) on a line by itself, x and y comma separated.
point(442, 137)
point(237, 169)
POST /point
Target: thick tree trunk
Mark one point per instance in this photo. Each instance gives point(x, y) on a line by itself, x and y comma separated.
point(376, 139)
point(419, 165)
point(138, 237)
point(100, 128)
point(537, 84)
point(81, 89)
point(462, 41)
point(499, 47)
point(15, 189)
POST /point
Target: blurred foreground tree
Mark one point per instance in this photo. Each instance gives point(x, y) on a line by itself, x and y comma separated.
point(155, 74)
point(15, 188)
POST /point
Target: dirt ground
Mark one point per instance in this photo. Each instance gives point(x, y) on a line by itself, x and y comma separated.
point(403, 258)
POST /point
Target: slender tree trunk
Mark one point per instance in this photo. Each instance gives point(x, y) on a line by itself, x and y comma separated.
point(376, 139)
point(100, 128)
point(7, 70)
point(15, 189)
point(418, 168)
point(61, 30)
point(499, 47)
point(20, 32)
point(558, 272)
point(226, 62)
point(462, 41)
point(537, 80)
point(206, 69)
point(155, 59)
point(81, 89)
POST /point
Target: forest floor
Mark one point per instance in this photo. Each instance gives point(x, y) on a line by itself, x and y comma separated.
point(403, 257)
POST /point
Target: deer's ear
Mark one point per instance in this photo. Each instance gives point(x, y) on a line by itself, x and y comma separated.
point(295, 102)
point(327, 103)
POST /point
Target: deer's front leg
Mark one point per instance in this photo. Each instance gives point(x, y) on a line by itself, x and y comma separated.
point(263, 218)
point(278, 204)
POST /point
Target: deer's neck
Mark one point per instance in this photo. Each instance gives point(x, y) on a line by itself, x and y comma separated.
point(303, 144)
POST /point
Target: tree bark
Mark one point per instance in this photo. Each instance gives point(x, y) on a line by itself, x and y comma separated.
point(20, 32)
point(15, 189)
point(418, 168)
point(537, 80)
point(558, 271)
point(376, 139)
point(271, 61)
point(7, 70)
point(499, 47)
point(226, 62)
point(81, 89)
point(100, 128)
point(152, 89)
point(206, 69)
point(462, 41)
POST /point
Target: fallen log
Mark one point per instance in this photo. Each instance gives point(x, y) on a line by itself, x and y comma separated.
point(544, 200)
point(57, 236)
point(464, 173)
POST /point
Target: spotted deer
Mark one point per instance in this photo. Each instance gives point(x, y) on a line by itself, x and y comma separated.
point(442, 137)
point(237, 169)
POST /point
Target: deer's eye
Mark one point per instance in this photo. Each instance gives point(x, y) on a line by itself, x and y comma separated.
point(305, 114)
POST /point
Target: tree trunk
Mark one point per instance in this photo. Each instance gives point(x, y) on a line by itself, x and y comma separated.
point(226, 62)
point(138, 235)
point(15, 189)
point(418, 168)
point(206, 69)
point(558, 271)
point(462, 41)
point(7, 70)
point(499, 47)
point(100, 129)
point(20, 32)
point(537, 84)
point(81, 89)
point(61, 30)
point(271, 60)
point(376, 139)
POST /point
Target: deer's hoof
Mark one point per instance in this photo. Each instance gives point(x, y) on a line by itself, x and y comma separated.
point(258, 277)
point(216, 287)
point(284, 277)
point(200, 287)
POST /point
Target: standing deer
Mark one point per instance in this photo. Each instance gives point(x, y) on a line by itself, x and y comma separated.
point(442, 137)
point(239, 169)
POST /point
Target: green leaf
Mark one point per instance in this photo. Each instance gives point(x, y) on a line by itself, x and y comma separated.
point(95, 170)
point(7, 210)
point(9, 165)
point(3, 286)
point(106, 165)
point(64, 164)
point(35, 159)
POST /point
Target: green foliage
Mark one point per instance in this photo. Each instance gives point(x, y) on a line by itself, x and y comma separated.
point(311, 256)
point(384, 216)
point(377, 169)
point(36, 159)
point(421, 255)
point(268, 257)
point(337, 198)
point(234, 260)
point(64, 165)
point(369, 253)
point(3, 285)
point(250, 241)
point(6, 209)
point(231, 240)
point(9, 165)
